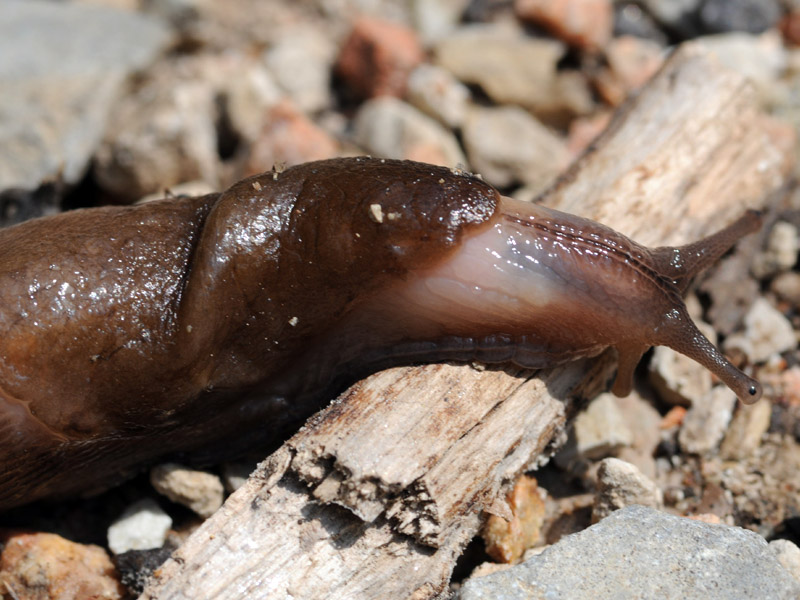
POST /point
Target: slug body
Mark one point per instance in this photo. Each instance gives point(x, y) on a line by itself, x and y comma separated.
point(130, 333)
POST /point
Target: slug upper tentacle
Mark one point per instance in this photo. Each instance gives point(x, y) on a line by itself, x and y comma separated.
point(682, 263)
point(203, 322)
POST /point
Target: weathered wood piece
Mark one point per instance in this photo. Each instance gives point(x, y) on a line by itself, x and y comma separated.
point(376, 496)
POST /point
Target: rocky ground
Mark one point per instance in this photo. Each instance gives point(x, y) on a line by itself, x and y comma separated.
point(115, 101)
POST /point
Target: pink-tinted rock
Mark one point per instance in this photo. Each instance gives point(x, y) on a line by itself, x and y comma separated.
point(790, 28)
point(586, 24)
point(631, 63)
point(41, 566)
point(377, 58)
point(289, 138)
point(584, 130)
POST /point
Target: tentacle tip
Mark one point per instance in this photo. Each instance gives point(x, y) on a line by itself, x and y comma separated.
point(755, 218)
point(752, 393)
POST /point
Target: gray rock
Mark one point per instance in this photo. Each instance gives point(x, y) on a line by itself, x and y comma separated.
point(677, 15)
point(508, 145)
point(197, 490)
point(753, 16)
point(621, 484)
point(706, 421)
point(142, 526)
point(390, 128)
point(630, 19)
point(62, 66)
point(639, 552)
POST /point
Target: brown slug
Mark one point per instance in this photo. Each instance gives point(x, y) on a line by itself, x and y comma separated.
point(131, 333)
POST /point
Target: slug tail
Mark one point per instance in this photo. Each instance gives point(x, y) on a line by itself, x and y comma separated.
point(682, 263)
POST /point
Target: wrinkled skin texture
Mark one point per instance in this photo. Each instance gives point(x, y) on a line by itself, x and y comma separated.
point(197, 324)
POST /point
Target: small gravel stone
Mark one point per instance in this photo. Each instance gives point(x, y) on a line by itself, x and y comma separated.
point(706, 421)
point(300, 63)
point(789, 385)
point(197, 490)
point(18, 205)
point(638, 552)
point(788, 555)
point(142, 526)
point(41, 566)
point(165, 135)
point(572, 96)
point(390, 128)
point(586, 24)
point(437, 93)
point(135, 567)
point(507, 145)
point(510, 67)
point(678, 379)
point(584, 130)
point(630, 19)
point(752, 16)
point(790, 27)
point(747, 427)
point(644, 423)
point(621, 484)
point(632, 62)
point(245, 99)
point(787, 287)
point(434, 19)
point(190, 188)
point(598, 431)
point(506, 541)
point(288, 138)
point(235, 474)
point(780, 253)
point(767, 332)
point(377, 58)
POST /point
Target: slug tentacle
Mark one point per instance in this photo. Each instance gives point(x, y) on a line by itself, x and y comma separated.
point(629, 357)
point(215, 323)
point(682, 263)
point(682, 335)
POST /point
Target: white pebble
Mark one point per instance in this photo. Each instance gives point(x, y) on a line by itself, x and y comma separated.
point(143, 526)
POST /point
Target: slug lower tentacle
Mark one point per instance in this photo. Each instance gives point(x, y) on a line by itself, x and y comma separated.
point(131, 333)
